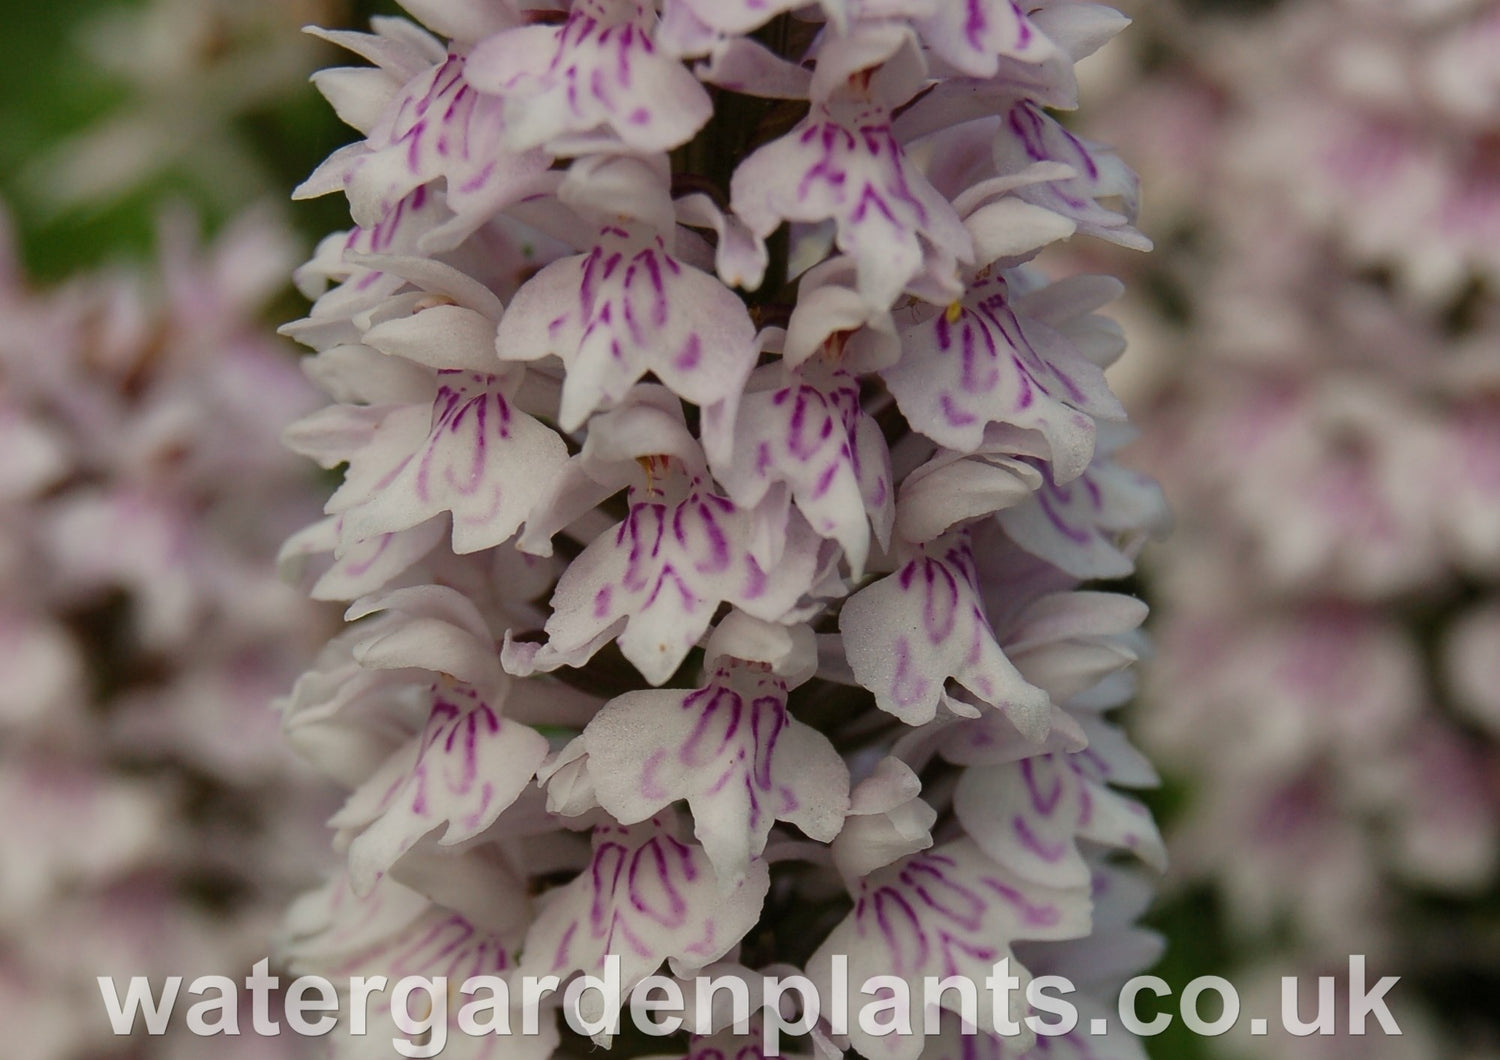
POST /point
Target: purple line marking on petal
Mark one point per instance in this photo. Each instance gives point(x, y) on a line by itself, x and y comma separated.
point(1043, 802)
point(1051, 853)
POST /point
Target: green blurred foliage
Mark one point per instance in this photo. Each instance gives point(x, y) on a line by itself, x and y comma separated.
point(49, 91)
point(43, 97)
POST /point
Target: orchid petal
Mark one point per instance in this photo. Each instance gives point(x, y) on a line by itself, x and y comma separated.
point(731, 750)
point(645, 897)
point(909, 633)
point(462, 771)
point(625, 309)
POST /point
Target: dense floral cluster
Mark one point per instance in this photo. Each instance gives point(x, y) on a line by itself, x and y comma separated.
point(154, 823)
point(717, 627)
point(1329, 436)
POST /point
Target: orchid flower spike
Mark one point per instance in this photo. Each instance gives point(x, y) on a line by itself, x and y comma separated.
point(720, 482)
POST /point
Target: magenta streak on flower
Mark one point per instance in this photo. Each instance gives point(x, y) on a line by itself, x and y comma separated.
point(438, 127)
point(335, 928)
point(626, 308)
point(372, 690)
point(842, 162)
point(947, 911)
point(1099, 175)
point(1030, 814)
point(979, 362)
point(333, 924)
point(730, 749)
point(361, 288)
point(635, 444)
point(645, 896)
point(655, 580)
point(974, 34)
point(423, 311)
point(361, 567)
point(466, 766)
point(482, 459)
point(594, 82)
point(808, 434)
point(1092, 526)
point(397, 932)
point(911, 632)
point(1096, 965)
point(370, 439)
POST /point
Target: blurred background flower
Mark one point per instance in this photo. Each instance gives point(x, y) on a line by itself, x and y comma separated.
point(1317, 375)
point(155, 823)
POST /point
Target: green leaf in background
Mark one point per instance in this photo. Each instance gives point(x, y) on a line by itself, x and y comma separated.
point(52, 90)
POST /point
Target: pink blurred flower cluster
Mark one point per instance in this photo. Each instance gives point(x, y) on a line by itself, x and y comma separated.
point(1324, 411)
point(154, 822)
